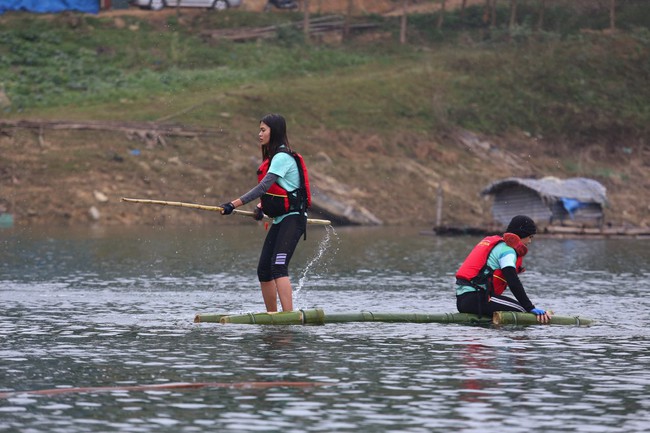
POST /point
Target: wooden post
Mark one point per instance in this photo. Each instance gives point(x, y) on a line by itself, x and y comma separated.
point(403, 20)
point(439, 206)
point(612, 15)
point(540, 19)
point(441, 16)
point(305, 20)
point(348, 17)
point(513, 16)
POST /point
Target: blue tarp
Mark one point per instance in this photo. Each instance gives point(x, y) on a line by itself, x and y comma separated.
point(571, 205)
point(49, 6)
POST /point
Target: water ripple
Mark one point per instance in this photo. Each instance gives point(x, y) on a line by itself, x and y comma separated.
point(108, 312)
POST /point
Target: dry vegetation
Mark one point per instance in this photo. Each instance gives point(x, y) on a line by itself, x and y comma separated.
point(57, 176)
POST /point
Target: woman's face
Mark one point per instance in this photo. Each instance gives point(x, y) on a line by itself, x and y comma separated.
point(265, 134)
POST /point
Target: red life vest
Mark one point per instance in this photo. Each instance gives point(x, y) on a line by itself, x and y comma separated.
point(499, 283)
point(278, 201)
point(475, 271)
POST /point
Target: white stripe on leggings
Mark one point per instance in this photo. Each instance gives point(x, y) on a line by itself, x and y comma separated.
point(507, 303)
point(281, 258)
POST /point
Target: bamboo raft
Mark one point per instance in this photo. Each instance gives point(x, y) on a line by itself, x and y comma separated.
point(318, 317)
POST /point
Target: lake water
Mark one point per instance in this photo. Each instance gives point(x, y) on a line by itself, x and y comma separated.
point(114, 308)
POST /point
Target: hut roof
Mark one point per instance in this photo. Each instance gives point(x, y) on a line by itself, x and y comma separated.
point(551, 188)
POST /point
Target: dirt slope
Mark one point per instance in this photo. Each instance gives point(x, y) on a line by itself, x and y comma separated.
point(59, 176)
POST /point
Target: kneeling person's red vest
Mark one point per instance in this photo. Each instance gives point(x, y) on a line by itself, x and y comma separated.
point(475, 271)
point(277, 201)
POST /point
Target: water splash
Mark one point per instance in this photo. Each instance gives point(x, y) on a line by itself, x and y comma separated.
point(323, 246)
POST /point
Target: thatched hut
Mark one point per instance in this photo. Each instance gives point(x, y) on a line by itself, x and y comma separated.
point(549, 200)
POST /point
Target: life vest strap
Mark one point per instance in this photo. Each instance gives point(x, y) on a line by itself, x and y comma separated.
point(464, 282)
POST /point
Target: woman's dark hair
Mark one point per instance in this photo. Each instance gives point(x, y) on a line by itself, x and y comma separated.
point(278, 135)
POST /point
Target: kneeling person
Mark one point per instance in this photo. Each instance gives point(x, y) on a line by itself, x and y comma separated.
point(493, 265)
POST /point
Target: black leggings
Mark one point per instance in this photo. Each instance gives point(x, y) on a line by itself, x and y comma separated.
point(477, 303)
point(279, 245)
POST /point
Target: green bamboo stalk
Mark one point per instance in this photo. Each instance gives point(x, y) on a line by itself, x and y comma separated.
point(366, 316)
point(516, 318)
point(318, 317)
point(208, 318)
point(296, 317)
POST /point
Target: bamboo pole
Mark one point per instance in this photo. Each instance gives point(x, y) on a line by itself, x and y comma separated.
point(319, 317)
point(212, 208)
point(367, 316)
point(296, 317)
point(208, 318)
point(516, 318)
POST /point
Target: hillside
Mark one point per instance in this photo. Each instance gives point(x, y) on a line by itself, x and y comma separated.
point(57, 176)
point(381, 131)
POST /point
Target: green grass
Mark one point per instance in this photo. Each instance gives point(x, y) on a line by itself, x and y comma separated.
point(558, 83)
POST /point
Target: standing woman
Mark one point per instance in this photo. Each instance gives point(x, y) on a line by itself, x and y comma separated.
point(284, 191)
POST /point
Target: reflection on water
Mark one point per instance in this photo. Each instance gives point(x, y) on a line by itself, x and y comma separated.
point(115, 308)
